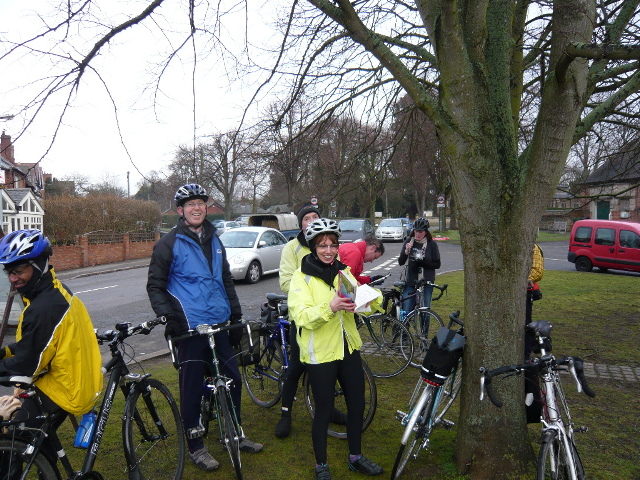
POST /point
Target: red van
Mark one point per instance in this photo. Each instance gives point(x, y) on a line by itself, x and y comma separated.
point(605, 244)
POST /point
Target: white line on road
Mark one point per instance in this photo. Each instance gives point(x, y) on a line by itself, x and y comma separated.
point(96, 289)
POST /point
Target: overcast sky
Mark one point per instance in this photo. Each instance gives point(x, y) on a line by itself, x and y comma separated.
point(89, 142)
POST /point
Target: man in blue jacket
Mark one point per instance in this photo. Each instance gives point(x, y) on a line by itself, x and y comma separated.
point(190, 283)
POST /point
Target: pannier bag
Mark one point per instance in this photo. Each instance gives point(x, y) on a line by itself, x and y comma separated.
point(243, 352)
point(443, 354)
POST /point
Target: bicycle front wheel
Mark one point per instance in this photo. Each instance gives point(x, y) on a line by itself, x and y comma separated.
point(264, 379)
point(448, 394)
point(14, 460)
point(338, 425)
point(423, 323)
point(417, 430)
point(230, 431)
point(556, 457)
point(152, 431)
point(387, 346)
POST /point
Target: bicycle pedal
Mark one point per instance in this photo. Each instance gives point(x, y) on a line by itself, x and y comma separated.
point(447, 424)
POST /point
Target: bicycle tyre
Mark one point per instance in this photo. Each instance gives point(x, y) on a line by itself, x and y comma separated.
point(416, 431)
point(13, 459)
point(553, 459)
point(387, 347)
point(264, 379)
point(448, 393)
point(339, 430)
point(152, 432)
point(422, 337)
point(229, 431)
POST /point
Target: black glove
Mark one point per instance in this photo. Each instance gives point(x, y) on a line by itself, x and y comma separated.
point(375, 278)
point(235, 334)
point(174, 327)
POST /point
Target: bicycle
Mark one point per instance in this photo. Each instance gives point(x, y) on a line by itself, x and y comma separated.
point(216, 400)
point(264, 378)
point(430, 400)
point(418, 321)
point(387, 345)
point(558, 457)
point(152, 433)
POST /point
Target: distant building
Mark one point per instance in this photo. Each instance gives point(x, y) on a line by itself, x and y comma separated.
point(615, 186)
point(22, 186)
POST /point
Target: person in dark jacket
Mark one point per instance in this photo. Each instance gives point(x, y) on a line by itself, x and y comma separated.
point(421, 255)
point(190, 283)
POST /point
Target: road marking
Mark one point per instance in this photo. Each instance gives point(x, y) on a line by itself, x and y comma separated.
point(96, 289)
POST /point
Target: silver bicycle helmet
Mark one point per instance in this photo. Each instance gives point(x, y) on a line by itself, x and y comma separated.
point(421, 224)
point(188, 192)
point(321, 225)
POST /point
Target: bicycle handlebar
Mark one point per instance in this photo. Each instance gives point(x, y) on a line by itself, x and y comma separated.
point(575, 364)
point(125, 330)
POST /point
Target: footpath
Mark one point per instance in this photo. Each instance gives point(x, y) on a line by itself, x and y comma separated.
point(593, 370)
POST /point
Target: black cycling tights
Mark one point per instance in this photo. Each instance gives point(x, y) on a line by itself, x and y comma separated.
point(322, 378)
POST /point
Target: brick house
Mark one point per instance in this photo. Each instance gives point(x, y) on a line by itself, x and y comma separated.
point(615, 185)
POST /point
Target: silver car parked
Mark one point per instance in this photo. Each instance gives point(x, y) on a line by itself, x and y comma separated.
point(392, 229)
point(253, 251)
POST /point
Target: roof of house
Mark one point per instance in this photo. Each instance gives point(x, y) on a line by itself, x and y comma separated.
point(18, 194)
point(621, 166)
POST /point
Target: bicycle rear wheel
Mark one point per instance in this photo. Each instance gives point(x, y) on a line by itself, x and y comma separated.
point(417, 431)
point(152, 432)
point(338, 427)
point(230, 431)
point(264, 379)
point(423, 324)
point(13, 460)
point(554, 459)
point(387, 347)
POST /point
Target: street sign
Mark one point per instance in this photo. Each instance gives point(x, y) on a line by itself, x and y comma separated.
point(314, 200)
point(440, 201)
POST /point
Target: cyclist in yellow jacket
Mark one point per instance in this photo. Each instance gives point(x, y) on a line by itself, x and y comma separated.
point(329, 343)
point(55, 341)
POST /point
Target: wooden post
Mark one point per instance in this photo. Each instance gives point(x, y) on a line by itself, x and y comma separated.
point(7, 312)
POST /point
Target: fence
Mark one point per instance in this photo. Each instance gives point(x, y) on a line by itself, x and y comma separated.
point(98, 248)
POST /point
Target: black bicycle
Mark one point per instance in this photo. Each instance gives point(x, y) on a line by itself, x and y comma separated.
point(152, 433)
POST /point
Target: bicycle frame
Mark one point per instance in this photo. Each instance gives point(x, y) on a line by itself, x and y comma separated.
point(219, 383)
point(281, 333)
point(118, 371)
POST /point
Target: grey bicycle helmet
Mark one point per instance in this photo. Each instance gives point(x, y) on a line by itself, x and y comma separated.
point(321, 225)
point(188, 192)
point(421, 224)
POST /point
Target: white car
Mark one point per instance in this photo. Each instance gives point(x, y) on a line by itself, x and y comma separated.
point(392, 229)
point(253, 251)
point(224, 226)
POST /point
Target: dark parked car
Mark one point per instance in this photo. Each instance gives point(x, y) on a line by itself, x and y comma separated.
point(354, 229)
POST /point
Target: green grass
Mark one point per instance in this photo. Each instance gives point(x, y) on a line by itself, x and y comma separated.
point(453, 236)
point(595, 316)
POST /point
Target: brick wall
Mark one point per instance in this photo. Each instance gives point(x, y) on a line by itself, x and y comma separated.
point(85, 254)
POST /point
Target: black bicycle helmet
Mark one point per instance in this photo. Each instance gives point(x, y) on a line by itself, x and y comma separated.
point(188, 192)
point(421, 224)
point(23, 245)
point(321, 225)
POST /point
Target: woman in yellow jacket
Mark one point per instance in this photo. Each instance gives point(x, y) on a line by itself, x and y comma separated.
point(329, 343)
